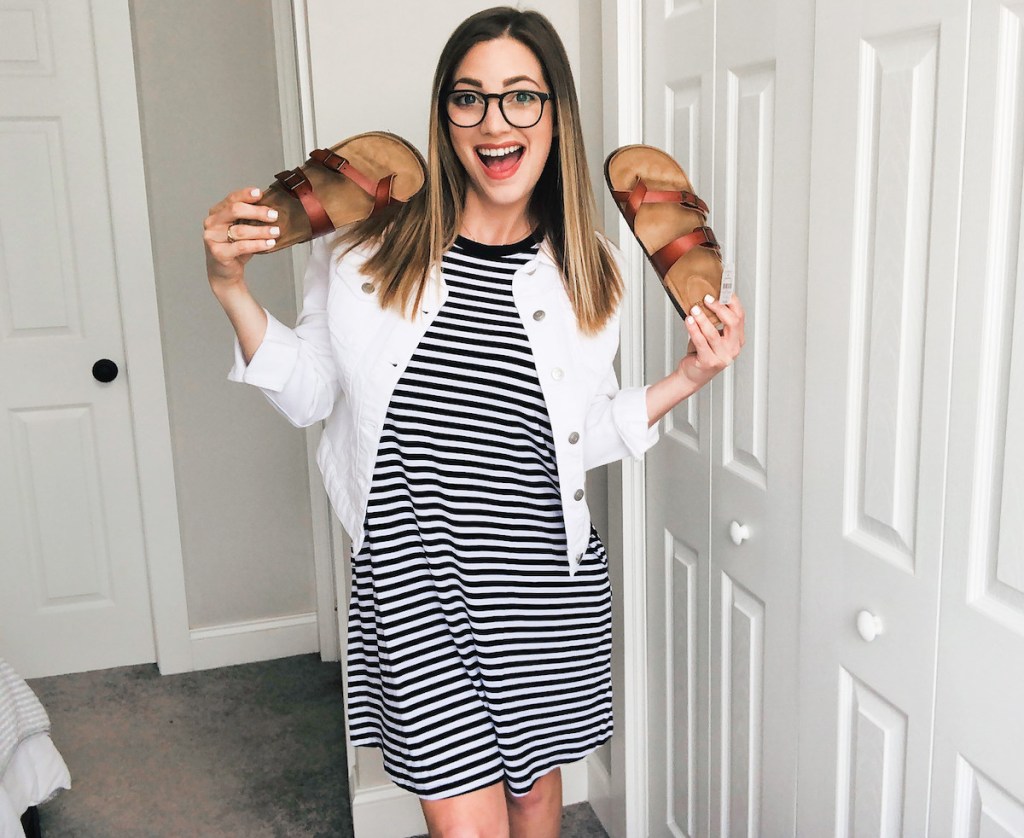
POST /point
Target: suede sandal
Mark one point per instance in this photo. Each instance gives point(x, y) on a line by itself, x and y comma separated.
point(656, 198)
point(359, 177)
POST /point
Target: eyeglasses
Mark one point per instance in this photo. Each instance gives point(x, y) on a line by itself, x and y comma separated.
point(521, 108)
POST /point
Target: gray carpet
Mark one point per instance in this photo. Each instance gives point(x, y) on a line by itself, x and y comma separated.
point(254, 750)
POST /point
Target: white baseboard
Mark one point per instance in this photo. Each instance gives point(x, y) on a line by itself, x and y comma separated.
point(574, 782)
point(599, 788)
point(386, 812)
point(389, 812)
point(254, 640)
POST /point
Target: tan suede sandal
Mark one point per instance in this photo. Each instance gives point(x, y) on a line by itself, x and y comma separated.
point(348, 182)
point(656, 198)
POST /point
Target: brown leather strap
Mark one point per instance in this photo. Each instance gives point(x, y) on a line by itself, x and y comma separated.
point(380, 190)
point(640, 194)
point(296, 182)
point(675, 250)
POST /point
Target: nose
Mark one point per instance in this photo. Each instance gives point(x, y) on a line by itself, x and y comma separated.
point(494, 121)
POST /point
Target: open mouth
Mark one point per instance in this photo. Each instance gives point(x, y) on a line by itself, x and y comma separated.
point(500, 161)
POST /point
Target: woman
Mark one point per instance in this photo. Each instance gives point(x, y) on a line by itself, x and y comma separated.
point(462, 355)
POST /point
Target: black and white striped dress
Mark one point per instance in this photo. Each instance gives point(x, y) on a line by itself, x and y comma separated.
point(473, 655)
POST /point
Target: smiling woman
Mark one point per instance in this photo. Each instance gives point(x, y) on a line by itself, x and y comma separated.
point(460, 346)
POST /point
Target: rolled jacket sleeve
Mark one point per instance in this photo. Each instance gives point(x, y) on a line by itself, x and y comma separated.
point(617, 424)
point(294, 368)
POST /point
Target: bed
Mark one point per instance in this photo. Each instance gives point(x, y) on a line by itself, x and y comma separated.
point(32, 771)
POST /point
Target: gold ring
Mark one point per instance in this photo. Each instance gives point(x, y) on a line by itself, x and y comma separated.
point(231, 239)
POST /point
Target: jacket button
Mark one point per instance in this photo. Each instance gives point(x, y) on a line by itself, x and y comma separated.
point(368, 287)
point(579, 494)
point(557, 373)
point(574, 438)
point(538, 315)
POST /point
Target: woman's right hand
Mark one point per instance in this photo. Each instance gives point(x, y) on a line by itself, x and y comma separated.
point(225, 259)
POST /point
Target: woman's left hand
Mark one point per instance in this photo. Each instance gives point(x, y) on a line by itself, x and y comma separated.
point(715, 350)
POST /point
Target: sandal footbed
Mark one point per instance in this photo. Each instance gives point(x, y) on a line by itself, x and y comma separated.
point(699, 271)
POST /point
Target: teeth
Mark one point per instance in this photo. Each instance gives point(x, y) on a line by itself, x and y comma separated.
point(498, 152)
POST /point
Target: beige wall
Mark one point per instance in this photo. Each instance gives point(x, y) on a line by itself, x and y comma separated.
point(211, 123)
point(372, 63)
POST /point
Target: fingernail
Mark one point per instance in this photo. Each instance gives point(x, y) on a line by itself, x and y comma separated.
point(270, 242)
point(689, 320)
point(272, 215)
point(708, 299)
point(255, 193)
point(275, 231)
point(695, 310)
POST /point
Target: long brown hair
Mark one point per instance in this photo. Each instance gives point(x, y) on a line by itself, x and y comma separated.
point(413, 239)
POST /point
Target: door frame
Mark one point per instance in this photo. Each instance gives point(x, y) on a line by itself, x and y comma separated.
point(298, 134)
point(140, 324)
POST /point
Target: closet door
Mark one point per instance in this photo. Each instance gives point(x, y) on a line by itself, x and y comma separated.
point(678, 51)
point(886, 142)
point(722, 619)
point(978, 774)
point(764, 59)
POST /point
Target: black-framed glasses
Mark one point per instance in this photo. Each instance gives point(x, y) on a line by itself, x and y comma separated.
point(521, 108)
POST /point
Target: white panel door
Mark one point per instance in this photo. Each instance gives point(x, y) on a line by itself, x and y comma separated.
point(73, 585)
point(763, 68)
point(678, 51)
point(727, 93)
point(886, 142)
point(978, 773)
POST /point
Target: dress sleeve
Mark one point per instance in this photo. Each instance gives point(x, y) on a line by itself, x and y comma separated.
point(294, 368)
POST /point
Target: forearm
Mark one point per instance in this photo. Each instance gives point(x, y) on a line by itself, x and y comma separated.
point(246, 315)
point(664, 395)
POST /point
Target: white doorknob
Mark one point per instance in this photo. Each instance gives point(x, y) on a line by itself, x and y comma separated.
point(869, 626)
point(738, 532)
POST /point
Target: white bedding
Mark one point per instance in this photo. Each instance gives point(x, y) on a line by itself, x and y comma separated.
point(35, 774)
point(31, 769)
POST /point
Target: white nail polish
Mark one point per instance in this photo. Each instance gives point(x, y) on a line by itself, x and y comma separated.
point(270, 242)
point(272, 215)
point(708, 299)
point(695, 310)
point(689, 320)
point(255, 193)
point(275, 231)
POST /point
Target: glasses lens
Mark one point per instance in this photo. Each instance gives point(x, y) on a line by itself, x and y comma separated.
point(522, 108)
point(465, 108)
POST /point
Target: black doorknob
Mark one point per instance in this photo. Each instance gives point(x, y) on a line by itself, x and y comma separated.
point(104, 370)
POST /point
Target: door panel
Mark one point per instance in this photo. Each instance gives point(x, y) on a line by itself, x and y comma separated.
point(762, 139)
point(887, 132)
point(678, 117)
point(978, 780)
point(722, 628)
point(75, 592)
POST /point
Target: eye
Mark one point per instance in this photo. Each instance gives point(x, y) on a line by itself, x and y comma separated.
point(524, 98)
point(465, 99)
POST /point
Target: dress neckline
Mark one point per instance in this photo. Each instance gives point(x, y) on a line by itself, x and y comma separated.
point(496, 251)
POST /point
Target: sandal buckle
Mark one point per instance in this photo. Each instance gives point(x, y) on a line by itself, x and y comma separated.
point(291, 179)
point(709, 238)
point(692, 202)
point(328, 159)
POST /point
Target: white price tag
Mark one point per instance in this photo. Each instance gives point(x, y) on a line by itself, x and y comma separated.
point(728, 283)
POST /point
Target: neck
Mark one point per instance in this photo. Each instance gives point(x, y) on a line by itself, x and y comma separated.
point(494, 225)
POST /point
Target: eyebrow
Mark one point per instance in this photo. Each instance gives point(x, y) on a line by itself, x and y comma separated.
point(506, 83)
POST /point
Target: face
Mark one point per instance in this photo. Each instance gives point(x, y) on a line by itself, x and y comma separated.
point(503, 163)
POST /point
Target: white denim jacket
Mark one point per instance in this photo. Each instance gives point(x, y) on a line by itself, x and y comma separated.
point(344, 357)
